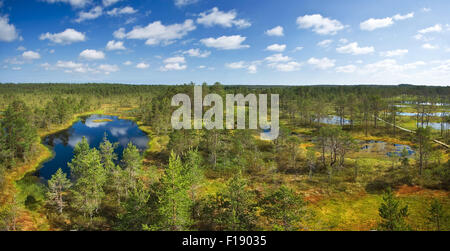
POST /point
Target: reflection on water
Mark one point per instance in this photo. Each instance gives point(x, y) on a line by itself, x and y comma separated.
point(334, 120)
point(425, 103)
point(413, 114)
point(435, 125)
point(63, 143)
point(384, 148)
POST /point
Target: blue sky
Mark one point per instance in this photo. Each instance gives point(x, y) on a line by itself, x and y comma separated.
point(295, 42)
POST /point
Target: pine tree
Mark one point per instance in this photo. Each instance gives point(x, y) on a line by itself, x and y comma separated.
point(393, 214)
point(90, 179)
point(132, 164)
point(236, 211)
point(57, 185)
point(136, 210)
point(284, 209)
point(292, 147)
point(424, 147)
point(107, 153)
point(19, 135)
point(117, 183)
point(194, 175)
point(436, 214)
point(9, 214)
point(174, 201)
point(81, 149)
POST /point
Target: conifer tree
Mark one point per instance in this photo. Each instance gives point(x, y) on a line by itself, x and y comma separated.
point(174, 201)
point(284, 209)
point(80, 150)
point(424, 147)
point(57, 185)
point(136, 210)
point(393, 214)
point(194, 175)
point(107, 153)
point(132, 164)
point(436, 215)
point(19, 135)
point(235, 204)
point(90, 178)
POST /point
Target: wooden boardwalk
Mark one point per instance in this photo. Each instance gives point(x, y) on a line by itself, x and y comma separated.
point(411, 131)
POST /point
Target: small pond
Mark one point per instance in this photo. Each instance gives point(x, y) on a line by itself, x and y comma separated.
point(93, 128)
point(413, 114)
point(435, 125)
point(385, 148)
point(334, 120)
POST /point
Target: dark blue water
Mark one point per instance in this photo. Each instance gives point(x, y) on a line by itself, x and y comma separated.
point(63, 143)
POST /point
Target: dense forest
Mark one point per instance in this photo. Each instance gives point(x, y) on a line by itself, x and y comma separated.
point(314, 176)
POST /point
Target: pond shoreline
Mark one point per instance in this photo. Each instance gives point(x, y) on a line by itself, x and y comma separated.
point(11, 188)
point(120, 132)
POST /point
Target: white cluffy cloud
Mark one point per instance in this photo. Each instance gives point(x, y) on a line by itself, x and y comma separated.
point(430, 46)
point(8, 32)
point(107, 68)
point(142, 65)
point(31, 55)
point(176, 63)
point(224, 19)
point(286, 67)
point(66, 37)
point(252, 67)
point(282, 63)
point(92, 54)
point(115, 45)
point(275, 58)
point(176, 59)
point(120, 33)
point(374, 23)
point(276, 31)
point(322, 63)
point(69, 65)
point(225, 42)
point(108, 3)
point(236, 65)
point(346, 69)
point(121, 11)
point(354, 49)
point(394, 53)
point(403, 17)
point(320, 25)
point(435, 28)
point(276, 47)
point(156, 33)
point(73, 3)
point(181, 3)
point(421, 34)
point(197, 53)
point(74, 67)
point(325, 43)
point(89, 15)
point(390, 65)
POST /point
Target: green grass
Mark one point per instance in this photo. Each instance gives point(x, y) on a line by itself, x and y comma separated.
point(360, 212)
